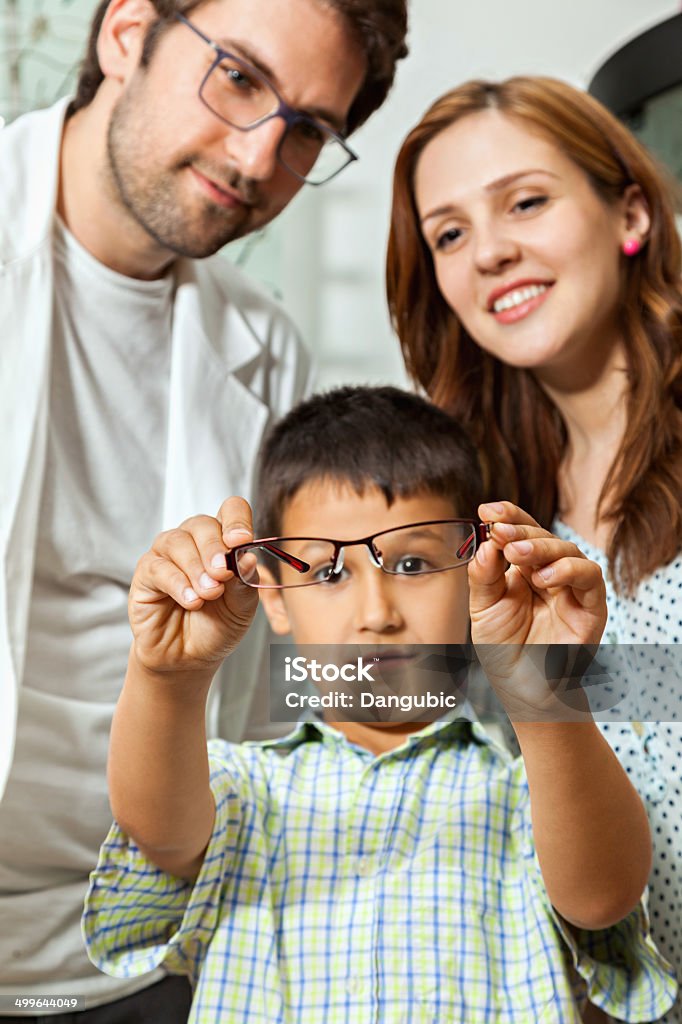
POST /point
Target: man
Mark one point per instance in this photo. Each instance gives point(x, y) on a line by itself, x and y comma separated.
point(127, 357)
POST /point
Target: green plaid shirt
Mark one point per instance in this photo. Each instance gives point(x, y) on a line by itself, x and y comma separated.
point(344, 888)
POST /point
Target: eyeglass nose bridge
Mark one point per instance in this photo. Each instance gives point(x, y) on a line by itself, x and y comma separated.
point(373, 554)
point(288, 115)
point(337, 564)
point(283, 111)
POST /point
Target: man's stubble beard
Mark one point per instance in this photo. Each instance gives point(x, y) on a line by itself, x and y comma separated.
point(151, 196)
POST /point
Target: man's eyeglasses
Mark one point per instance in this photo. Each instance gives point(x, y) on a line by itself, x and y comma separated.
point(417, 549)
point(241, 96)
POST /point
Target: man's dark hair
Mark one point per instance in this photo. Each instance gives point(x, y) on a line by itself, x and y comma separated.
point(380, 26)
point(365, 436)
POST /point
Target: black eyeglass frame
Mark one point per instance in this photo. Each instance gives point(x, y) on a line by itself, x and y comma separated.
point(481, 533)
point(289, 115)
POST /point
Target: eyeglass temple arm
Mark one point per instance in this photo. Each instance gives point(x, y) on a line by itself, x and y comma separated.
point(482, 534)
point(295, 563)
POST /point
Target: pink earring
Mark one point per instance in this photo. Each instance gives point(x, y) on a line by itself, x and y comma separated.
point(631, 246)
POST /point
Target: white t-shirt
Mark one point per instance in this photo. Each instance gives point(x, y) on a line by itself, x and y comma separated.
point(100, 509)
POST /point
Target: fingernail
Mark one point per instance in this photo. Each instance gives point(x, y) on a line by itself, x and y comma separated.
point(207, 582)
point(189, 595)
point(503, 529)
point(218, 562)
point(546, 573)
point(237, 535)
point(522, 547)
point(496, 506)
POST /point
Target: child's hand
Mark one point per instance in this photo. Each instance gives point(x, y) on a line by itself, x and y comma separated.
point(186, 609)
point(550, 593)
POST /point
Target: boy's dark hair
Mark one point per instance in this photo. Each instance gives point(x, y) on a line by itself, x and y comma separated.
point(366, 436)
point(380, 27)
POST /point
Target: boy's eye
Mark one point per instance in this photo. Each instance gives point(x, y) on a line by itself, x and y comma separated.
point(325, 574)
point(321, 572)
point(410, 565)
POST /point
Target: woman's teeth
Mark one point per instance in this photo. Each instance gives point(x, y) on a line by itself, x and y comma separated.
point(518, 296)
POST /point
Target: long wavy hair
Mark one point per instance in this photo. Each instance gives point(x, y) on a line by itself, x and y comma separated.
point(520, 433)
point(380, 26)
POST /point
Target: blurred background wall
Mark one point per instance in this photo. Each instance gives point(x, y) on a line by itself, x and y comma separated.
point(324, 256)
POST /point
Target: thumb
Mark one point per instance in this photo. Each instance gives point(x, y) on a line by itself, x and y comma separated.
point(487, 581)
point(240, 601)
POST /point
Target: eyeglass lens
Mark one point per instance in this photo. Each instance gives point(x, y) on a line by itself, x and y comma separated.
point(237, 94)
point(409, 551)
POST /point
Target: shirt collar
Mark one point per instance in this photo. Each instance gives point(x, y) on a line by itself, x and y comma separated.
point(462, 722)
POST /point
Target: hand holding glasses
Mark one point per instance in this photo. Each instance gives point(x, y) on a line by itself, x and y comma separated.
point(417, 549)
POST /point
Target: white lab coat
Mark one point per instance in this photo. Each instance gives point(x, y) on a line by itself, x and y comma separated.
point(236, 363)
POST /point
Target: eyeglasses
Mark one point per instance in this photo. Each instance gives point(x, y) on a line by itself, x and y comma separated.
point(418, 549)
point(241, 96)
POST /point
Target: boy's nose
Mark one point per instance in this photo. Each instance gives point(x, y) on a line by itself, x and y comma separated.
point(254, 152)
point(377, 610)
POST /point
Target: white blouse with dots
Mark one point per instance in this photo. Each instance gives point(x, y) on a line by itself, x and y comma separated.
point(651, 753)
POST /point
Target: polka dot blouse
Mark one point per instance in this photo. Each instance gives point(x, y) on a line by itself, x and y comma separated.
point(651, 752)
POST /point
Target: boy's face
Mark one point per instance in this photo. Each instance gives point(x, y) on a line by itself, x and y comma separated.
point(366, 605)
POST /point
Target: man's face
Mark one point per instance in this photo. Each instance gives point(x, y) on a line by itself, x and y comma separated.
point(193, 182)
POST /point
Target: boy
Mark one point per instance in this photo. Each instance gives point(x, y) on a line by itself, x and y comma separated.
point(363, 871)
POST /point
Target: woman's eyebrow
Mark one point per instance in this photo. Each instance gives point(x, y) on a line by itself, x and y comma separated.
point(509, 179)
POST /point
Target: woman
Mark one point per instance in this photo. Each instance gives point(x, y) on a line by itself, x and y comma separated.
point(534, 281)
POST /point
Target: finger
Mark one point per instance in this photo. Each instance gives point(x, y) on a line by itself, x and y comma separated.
point(540, 551)
point(583, 577)
point(505, 533)
point(248, 568)
point(487, 583)
point(207, 534)
point(157, 577)
point(179, 547)
point(236, 521)
point(505, 511)
point(240, 602)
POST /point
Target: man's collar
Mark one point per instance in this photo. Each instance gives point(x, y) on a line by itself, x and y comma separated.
point(29, 172)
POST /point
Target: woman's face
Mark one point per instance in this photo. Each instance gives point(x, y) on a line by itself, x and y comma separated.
point(526, 254)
